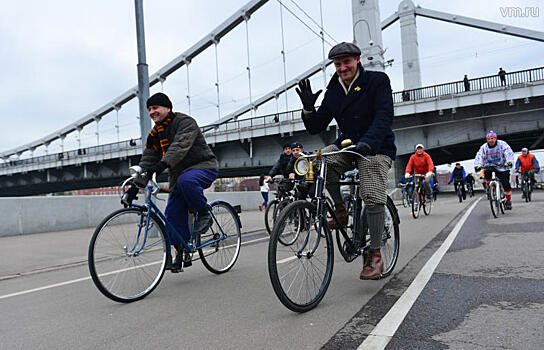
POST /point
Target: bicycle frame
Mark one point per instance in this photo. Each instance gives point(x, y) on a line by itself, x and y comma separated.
point(152, 209)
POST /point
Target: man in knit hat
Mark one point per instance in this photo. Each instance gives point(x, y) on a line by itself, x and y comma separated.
point(176, 143)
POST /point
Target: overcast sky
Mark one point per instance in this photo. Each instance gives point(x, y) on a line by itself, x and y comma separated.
point(63, 59)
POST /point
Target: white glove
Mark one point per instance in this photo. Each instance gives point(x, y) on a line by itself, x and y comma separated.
point(407, 175)
point(430, 173)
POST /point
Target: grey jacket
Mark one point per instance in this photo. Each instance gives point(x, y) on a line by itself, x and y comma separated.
point(188, 149)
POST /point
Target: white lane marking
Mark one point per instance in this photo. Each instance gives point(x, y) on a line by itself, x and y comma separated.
point(387, 327)
point(286, 259)
point(5, 296)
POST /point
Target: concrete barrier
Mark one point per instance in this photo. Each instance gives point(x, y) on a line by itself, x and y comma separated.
point(22, 215)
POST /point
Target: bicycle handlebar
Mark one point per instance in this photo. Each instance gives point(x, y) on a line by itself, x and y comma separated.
point(343, 150)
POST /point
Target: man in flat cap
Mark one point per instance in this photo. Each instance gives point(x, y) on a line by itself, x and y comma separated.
point(176, 143)
point(362, 104)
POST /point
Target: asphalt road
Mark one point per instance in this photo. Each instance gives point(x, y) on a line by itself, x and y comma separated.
point(59, 307)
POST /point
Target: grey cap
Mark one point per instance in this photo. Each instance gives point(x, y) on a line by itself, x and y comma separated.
point(344, 49)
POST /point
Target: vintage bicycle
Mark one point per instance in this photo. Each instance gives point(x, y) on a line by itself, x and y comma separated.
point(130, 248)
point(301, 271)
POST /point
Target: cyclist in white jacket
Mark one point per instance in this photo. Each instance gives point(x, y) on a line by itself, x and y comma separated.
point(498, 154)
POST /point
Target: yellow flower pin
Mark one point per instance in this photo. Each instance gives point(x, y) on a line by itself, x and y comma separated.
point(357, 88)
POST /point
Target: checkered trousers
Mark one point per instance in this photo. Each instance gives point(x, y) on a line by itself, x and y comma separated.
point(372, 173)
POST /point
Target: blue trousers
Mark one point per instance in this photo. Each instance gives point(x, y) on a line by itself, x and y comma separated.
point(188, 194)
point(265, 197)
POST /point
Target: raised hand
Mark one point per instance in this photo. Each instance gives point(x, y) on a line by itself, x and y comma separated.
point(307, 97)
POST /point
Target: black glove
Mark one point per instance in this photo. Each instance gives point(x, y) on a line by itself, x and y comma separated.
point(364, 149)
point(478, 168)
point(306, 95)
point(449, 182)
point(130, 195)
point(157, 168)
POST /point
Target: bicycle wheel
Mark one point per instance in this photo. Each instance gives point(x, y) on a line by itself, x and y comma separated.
point(270, 215)
point(405, 201)
point(296, 219)
point(125, 263)
point(460, 195)
point(390, 237)
point(525, 191)
point(493, 200)
point(301, 272)
point(220, 256)
point(416, 205)
point(427, 205)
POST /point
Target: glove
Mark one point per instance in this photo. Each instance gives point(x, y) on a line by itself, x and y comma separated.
point(407, 176)
point(430, 173)
point(364, 149)
point(157, 168)
point(307, 97)
point(478, 168)
point(449, 182)
point(508, 164)
point(130, 195)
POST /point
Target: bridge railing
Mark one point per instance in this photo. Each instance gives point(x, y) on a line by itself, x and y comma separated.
point(249, 123)
point(481, 83)
point(81, 152)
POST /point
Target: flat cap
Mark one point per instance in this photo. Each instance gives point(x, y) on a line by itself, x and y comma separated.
point(344, 49)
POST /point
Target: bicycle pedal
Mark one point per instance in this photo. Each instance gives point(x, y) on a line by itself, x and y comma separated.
point(176, 270)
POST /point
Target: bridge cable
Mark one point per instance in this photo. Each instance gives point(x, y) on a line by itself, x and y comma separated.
point(188, 89)
point(283, 57)
point(217, 80)
point(315, 22)
point(249, 68)
point(301, 21)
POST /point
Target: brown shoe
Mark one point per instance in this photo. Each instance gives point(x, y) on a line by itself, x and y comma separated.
point(341, 215)
point(374, 267)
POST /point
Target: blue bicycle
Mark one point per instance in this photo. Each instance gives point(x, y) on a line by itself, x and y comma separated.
point(131, 247)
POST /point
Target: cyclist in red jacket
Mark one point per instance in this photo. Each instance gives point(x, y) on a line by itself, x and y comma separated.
point(421, 164)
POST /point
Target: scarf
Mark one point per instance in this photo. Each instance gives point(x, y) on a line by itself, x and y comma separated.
point(157, 137)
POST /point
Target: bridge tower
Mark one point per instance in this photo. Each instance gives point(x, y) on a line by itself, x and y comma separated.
point(367, 33)
point(410, 46)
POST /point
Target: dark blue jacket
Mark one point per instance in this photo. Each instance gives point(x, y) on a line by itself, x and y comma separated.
point(364, 114)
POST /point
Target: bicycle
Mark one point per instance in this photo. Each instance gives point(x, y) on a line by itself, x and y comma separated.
point(470, 189)
point(300, 273)
point(419, 199)
point(130, 248)
point(496, 196)
point(284, 196)
point(459, 186)
point(526, 186)
point(406, 198)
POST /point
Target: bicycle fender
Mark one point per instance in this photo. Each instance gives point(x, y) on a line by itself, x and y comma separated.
point(231, 208)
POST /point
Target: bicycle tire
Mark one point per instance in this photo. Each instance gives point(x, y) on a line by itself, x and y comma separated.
point(416, 205)
point(143, 257)
point(460, 195)
point(285, 262)
point(221, 256)
point(427, 206)
point(493, 201)
point(269, 217)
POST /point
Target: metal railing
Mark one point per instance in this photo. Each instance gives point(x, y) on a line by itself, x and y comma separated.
point(476, 84)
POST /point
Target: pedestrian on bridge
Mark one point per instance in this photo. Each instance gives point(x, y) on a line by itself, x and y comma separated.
point(361, 101)
point(502, 76)
point(466, 83)
point(176, 142)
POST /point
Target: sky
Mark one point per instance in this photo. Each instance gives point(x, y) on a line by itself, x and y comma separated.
point(63, 59)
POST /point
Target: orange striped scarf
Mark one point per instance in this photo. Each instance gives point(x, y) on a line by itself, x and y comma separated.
point(157, 137)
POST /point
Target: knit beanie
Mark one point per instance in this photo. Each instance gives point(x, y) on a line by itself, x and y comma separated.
point(159, 99)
